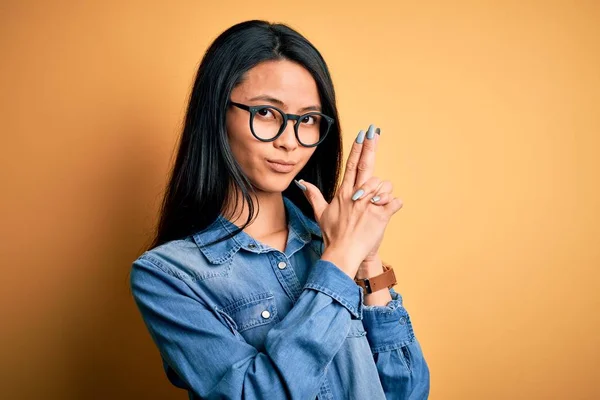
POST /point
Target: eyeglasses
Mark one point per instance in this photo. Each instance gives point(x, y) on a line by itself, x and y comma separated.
point(267, 123)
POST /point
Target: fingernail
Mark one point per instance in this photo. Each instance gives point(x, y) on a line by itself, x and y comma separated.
point(359, 193)
point(378, 131)
point(375, 199)
point(361, 137)
point(371, 132)
point(301, 186)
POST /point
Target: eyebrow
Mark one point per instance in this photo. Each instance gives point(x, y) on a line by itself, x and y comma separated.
point(282, 104)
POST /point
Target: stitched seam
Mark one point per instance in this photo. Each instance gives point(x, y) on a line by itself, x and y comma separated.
point(240, 304)
point(258, 322)
point(330, 293)
point(406, 356)
point(193, 276)
point(246, 301)
point(396, 345)
point(357, 334)
point(213, 257)
point(391, 346)
point(160, 265)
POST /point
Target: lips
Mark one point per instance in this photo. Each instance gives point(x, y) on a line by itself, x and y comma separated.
point(280, 167)
point(283, 162)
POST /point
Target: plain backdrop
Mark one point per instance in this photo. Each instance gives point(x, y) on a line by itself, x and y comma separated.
point(490, 118)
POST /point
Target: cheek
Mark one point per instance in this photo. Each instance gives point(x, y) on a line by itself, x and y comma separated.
point(236, 133)
point(234, 128)
point(306, 155)
point(243, 145)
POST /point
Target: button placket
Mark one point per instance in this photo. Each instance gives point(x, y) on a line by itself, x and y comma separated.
point(286, 276)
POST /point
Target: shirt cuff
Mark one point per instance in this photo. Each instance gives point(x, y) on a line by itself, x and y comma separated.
point(326, 277)
point(388, 327)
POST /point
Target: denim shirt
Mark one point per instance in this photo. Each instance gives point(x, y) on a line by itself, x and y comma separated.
point(242, 320)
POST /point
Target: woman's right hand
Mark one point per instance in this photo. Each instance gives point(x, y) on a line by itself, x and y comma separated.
point(351, 228)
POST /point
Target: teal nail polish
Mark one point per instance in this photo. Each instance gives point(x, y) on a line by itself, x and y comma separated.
point(361, 137)
point(378, 131)
point(371, 132)
point(359, 193)
point(301, 186)
point(375, 199)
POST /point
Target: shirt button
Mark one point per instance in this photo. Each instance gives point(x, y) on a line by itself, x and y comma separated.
point(265, 314)
point(281, 265)
point(402, 320)
point(252, 246)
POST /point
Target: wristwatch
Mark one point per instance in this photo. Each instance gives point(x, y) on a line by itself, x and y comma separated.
point(381, 281)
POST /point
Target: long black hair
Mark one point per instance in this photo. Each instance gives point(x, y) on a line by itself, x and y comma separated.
point(205, 169)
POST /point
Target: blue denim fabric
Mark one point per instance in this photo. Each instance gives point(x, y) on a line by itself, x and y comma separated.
point(242, 320)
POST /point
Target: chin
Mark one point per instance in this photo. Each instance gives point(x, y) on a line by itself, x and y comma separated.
point(273, 182)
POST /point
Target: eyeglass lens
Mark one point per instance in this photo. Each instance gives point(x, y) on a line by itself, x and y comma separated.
point(267, 123)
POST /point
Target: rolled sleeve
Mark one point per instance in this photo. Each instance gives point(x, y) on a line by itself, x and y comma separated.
point(388, 327)
point(327, 278)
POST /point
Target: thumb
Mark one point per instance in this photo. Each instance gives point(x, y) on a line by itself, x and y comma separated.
point(314, 196)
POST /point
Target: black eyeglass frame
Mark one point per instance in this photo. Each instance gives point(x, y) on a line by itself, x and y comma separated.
point(295, 117)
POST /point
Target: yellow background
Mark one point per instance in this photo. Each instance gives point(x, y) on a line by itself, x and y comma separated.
point(490, 117)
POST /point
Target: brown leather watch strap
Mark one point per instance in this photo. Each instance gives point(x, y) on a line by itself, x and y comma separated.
point(381, 281)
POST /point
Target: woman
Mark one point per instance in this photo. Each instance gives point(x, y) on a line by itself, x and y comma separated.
point(276, 307)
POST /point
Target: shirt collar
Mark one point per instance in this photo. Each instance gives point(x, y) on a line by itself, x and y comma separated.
point(299, 225)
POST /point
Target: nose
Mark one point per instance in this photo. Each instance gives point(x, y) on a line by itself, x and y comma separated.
point(287, 138)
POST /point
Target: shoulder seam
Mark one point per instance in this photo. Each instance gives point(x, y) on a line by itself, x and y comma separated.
point(156, 263)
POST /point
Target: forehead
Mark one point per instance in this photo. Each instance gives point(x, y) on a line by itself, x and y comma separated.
point(285, 80)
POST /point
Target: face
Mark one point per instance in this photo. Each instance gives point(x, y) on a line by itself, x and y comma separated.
point(296, 93)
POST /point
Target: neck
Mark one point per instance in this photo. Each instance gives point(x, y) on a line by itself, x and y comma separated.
point(269, 210)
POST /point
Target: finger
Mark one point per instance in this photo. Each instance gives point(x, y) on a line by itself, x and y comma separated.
point(382, 198)
point(394, 206)
point(314, 197)
point(384, 194)
point(385, 187)
point(368, 189)
point(366, 164)
point(352, 162)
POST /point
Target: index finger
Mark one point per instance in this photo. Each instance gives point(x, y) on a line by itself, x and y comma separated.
point(356, 157)
point(366, 164)
point(352, 162)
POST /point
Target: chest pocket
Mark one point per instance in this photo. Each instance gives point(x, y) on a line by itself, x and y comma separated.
point(253, 317)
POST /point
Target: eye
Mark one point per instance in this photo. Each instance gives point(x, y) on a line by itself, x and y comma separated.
point(312, 119)
point(309, 119)
point(266, 112)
